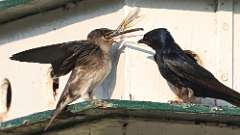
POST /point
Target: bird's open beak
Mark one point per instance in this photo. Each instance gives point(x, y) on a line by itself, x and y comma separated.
point(125, 24)
point(116, 33)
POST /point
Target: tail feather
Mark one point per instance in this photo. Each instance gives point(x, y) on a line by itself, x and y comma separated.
point(223, 92)
point(231, 96)
point(234, 101)
point(45, 54)
point(62, 103)
point(59, 109)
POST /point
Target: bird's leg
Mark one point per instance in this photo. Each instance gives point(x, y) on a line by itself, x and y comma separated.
point(176, 101)
point(187, 95)
point(177, 92)
point(190, 96)
point(87, 95)
point(90, 94)
point(190, 93)
point(184, 95)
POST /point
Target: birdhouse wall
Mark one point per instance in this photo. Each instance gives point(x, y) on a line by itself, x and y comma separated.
point(210, 28)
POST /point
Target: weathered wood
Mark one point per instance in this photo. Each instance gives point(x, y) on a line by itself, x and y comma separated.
point(81, 116)
point(16, 9)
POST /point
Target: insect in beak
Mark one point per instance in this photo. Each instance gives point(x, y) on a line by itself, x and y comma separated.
point(125, 24)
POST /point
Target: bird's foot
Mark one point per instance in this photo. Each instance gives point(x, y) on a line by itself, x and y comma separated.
point(175, 101)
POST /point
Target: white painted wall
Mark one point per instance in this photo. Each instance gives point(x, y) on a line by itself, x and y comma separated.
point(210, 29)
point(146, 127)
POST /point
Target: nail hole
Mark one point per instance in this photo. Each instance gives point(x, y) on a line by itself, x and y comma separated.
point(5, 95)
point(125, 125)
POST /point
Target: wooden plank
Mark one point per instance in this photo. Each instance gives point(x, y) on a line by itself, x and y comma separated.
point(5, 4)
point(80, 114)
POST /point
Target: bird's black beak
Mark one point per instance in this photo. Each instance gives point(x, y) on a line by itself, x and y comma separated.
point(141, 41)
point(116, 33)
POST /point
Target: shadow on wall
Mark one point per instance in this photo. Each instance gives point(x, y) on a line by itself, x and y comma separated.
point(50, 21)
point(109, 83)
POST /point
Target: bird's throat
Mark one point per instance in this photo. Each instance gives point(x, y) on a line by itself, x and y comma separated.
point(105, 47)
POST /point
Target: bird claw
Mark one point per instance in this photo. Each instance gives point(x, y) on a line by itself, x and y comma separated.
point(175, 102)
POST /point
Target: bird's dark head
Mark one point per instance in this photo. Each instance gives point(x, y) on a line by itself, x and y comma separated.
point(157, 38)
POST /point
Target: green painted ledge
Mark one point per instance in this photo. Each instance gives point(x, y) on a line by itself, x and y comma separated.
point(88, 111)
point(14, 9)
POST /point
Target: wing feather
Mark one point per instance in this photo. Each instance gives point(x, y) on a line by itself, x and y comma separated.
point(185, 67)
point(62, 56)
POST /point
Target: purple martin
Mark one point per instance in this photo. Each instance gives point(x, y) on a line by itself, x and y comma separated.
point(185, 95)
point(182, 71)
point(89, 60)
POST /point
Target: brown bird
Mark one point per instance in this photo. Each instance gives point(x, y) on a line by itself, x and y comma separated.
point(89, 60)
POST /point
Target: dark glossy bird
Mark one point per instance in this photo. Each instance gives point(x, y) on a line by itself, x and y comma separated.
point(185, 95)
point(182, 71)
point(89, 60)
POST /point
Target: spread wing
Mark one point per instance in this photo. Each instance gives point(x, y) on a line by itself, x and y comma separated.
point(62, 56)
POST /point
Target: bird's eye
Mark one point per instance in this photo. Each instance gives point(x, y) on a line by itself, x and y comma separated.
point(106, 36)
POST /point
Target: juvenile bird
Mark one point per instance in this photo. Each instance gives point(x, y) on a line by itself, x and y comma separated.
point(89, 60)
point(182, 71)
